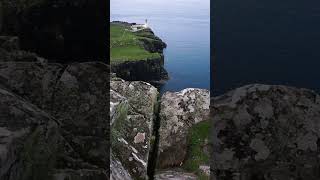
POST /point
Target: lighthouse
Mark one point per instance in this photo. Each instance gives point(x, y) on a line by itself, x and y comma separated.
point(146, 24)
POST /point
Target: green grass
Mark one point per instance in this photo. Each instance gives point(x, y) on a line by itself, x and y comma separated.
point(197, 136)
point(126, 46)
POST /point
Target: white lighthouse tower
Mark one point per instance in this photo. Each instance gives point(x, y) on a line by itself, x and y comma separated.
point(146, 24)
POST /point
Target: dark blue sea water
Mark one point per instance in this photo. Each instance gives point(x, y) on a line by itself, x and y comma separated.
point(185, 26)
point(266, 41)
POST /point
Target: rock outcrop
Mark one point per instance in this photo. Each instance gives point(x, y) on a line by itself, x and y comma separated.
point(179, 112)
point(29, 139)
point(266, 132)
point(55, 119)
point(133, 107)
point(151, 70)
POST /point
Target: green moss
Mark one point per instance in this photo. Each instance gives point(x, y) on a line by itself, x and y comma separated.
point(122, 110)
point(39, 156)
point(117, 129)
point(197, 137)
point(126, 45)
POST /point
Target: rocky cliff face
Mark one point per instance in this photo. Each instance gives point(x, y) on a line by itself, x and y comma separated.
point(266, 132)
point(133, 106)
point(149, 70)
point(55, 118)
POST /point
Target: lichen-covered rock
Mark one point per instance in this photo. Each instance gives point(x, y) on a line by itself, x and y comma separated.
point(32, 80)
point(29, 140)
point(174, 175)
point(266, 132)
point(118, 107)
point(81, 103)
point(132, 130)
point(78, 98)
point(179, 112)
point(118, 172)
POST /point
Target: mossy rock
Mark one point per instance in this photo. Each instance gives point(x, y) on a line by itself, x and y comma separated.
point(198, 149)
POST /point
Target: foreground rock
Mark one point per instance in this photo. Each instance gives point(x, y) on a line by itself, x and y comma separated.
point(179, 111)
point(266, 132)
point(29, 139)
point(117, 170)
point(62, 112)
point(184, 129)
point(133, 107)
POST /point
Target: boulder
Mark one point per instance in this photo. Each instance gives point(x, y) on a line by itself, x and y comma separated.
point(32, 80)
point(179, 112)
point(134, 105)
point(77, 97)
point(29, 139)
point(81, 103)
point(266, 132)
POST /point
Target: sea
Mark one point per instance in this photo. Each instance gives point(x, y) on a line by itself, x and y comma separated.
point(267, 42)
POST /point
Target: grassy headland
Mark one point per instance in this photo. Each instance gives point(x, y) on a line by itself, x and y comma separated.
point(128, 46)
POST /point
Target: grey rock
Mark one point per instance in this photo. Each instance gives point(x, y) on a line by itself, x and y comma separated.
point(179, 111)
point(77, 97)
point(266, 132)
point(135, 103)
point(118, 172)
point(34, 81)
point(81, 103)
point(29, 139)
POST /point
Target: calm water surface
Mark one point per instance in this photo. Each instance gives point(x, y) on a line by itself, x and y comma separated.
point(185, 26)
point(266, 41)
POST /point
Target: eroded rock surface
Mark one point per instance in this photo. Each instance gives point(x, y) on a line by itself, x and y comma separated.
point(29, 139)
point(133, 105)
point(117, 170)
point(266, 132)
point(74, 101)
point(179, 112)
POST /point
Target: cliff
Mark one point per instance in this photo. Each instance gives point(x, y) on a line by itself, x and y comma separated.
point(136, 55)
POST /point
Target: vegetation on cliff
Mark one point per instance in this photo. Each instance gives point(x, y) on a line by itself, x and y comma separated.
point(126, 45)
point(198, 152)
